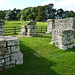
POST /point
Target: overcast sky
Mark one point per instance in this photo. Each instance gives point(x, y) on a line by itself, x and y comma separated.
point(20, 4)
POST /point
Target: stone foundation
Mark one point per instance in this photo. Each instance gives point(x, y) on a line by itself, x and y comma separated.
point(1, 28)
point(63, 39)
point(29, 29)
point(10, 54)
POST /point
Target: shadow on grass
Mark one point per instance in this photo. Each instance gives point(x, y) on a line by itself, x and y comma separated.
point(35, 65)
point(43, 36)
point(70, 50)
point(8, 34)
point(32, 65)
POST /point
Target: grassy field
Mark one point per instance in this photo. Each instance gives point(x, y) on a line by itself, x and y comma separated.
point(19, 23)
point(50, 60)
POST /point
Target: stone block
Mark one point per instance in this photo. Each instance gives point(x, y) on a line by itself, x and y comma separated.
point(63, 39)
point(15, 49)
point(3, 51)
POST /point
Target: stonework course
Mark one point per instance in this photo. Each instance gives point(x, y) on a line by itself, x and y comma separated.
point(28, 30)
point(1, 28)
point(10, 54)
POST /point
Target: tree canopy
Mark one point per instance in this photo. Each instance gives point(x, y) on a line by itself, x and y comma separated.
point(39, 13)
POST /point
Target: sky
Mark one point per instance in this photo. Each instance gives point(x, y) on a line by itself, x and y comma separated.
point(21, 4)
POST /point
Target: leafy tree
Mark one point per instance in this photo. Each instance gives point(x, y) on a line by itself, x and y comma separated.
point(50, 7)
point(2, 14)
point(41, 14)
point(70, 14)
point(8, 16)
point(60, 13)
point(31, 16)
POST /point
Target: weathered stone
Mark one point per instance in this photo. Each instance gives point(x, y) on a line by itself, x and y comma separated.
point(15, 49)
point(3, 51)
point(67, 23)
point(1, 62)
point(63, 39)
point(28, 30)
point(10, 54)
point(2, 42)
point(1, 28)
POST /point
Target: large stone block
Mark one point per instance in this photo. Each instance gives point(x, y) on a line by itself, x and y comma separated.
point(63, 39)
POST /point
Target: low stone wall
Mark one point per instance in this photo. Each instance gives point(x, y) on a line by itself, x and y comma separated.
point(10, 54)
point(63, 39)
point(1, 28)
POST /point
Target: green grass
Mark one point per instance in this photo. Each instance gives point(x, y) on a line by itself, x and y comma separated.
point(52, 61)
point(19, 23)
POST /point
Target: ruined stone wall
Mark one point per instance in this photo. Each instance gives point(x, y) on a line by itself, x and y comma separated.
point(10, 54)
point(63, 32)
point(28, 30)
point(63, 39)
point(68, 23)
point(1, 28)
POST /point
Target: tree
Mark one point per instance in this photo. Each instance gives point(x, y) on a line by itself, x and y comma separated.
point(31, 16)
point(50, 7)
point(60, 13)
point(71, 14)
point(8, 16)
point(2, 14)
point(41, 14)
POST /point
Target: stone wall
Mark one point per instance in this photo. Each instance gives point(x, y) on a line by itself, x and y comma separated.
point(63, 32)
point(10, 54)
point(1, 28)
point(28, 30)
point(68, 23)
point(63, 39)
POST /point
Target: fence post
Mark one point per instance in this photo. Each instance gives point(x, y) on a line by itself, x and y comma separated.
point(14, 30)
point(46, 28)
point(41, 29)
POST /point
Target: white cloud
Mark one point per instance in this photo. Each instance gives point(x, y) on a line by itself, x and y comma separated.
point(64, 4)
point(3, 2)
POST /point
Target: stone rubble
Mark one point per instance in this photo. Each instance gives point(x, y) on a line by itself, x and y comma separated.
point(10, 54)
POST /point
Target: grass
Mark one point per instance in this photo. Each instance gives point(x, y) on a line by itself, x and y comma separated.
point(19, 23)
point(52, 61)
